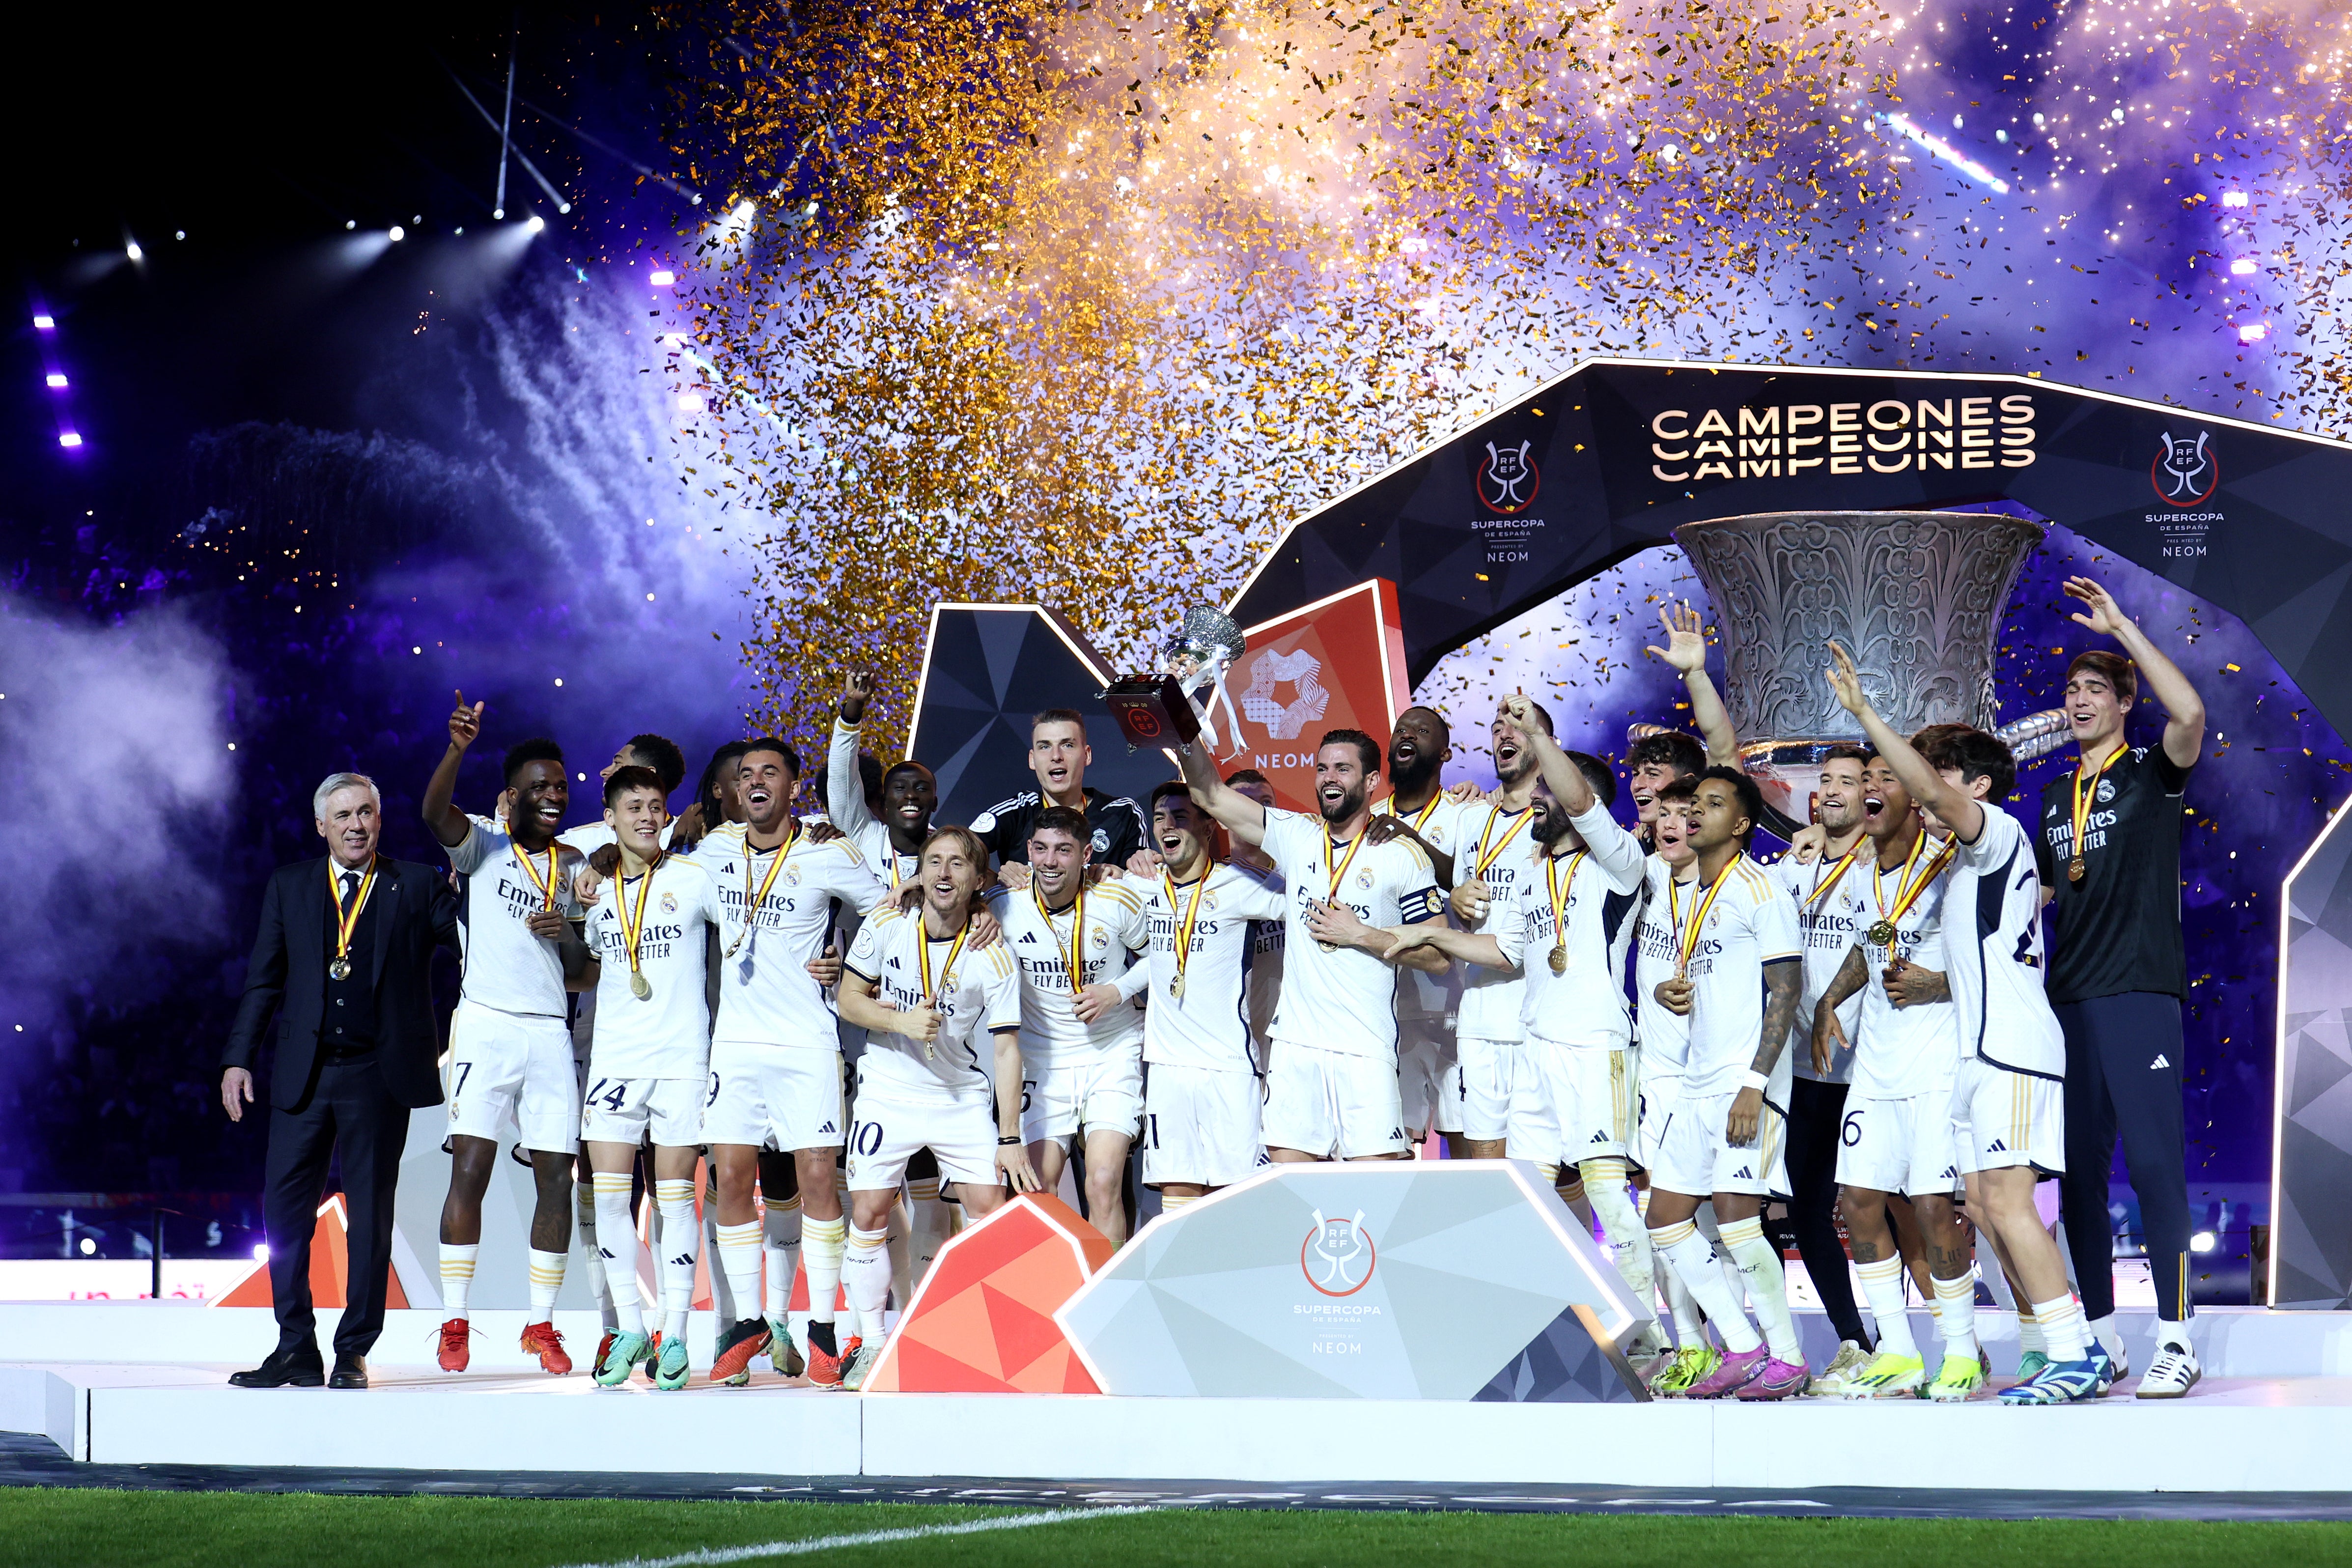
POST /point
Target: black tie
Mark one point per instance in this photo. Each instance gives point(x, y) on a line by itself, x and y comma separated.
point(351, 887)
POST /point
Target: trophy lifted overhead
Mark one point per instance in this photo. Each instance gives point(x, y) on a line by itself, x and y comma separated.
point(1169, 708)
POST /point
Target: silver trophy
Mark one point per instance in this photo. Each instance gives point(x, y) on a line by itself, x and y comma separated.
point(1169, 708)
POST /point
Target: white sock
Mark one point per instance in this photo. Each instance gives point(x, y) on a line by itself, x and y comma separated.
point(1690, 1332)
point(866, 1277)
point(681, 1244)
point(1605, 1183)
point(1579, 1199)
point(2174, 1335)
point(1733, 1281)
point(1955, 1302)
point(546, 1283)
point(1768, 1286)
point(902, 1255)
point(616, 1239)
point(457, 1277)
point(779, 1240)
point(1881, 1287)
point(1169, 1203)
point(2100, 1328)
point(584, 1221)
point(929, 1223)
point(2029, 1330)
point(723, 1302)
point(739, 1261)
point(2064, 1328)
point(1689, 1256)
point(822, 1245)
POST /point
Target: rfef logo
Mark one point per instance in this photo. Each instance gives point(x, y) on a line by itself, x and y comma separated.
point(2185, 472)
point(1507, 479)
point(1337, 1255)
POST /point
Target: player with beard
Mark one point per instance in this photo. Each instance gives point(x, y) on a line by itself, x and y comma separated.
point(1059, 756)
point(509, 1054)
point(1562, 923)
point(1081, 1036)
point(1331, 1087)
point(775, 1051)
point(1896, 1134)
point(1505, 1106)
point(1204, 1080)
point(1739, 971)
point(1429, 1071)
point(2009, 1097)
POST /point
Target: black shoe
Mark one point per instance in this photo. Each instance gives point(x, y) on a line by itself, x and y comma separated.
point(288, 1366)
point(350, 1372)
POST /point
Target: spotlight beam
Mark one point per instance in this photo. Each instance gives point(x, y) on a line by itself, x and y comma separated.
point(693, 197)
point(506, 126)
point(489, 119)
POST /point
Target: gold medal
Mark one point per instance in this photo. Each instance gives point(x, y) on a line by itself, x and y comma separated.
point(1185, 922)
point(2074, 869)
point(1176, 989)
point(631, 930)
point(1908, 888)
point(640, 988)
point(341, 969)
point(1686, 936)
point(1880, 932)
point(923, 965)
point(347, 921)
point(2082, 802)
point(1559, 959)
point(1328, 946)
point(1559, 892)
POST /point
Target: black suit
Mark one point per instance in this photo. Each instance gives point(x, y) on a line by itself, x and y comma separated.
point(338, 1090)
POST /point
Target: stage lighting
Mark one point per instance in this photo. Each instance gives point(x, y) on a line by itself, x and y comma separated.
point(536, 223)
point(350, 223)
point(87, 1247)
point(2252, 332)
point(71, 438)
point(56, 378)
point(45, 323)
point(563, 206)
point(2243, 265)
point(690, 402)
point(2236, 199)
point(398, 234)
point(261, 1252)
point(179, 234)
point(499, 214)
point(2203, 1241)
point(743, 211)
point(662, 279)
point(133, 251)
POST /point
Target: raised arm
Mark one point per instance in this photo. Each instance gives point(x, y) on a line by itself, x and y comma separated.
point(1685, 650)
point(2184, 711)
point(1242, 817)
point(845, 791)
point(449, 825)
point(1955, 808)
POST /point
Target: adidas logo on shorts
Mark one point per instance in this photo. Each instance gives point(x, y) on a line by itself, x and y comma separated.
point(1997, 1147)
point(2158, 1063)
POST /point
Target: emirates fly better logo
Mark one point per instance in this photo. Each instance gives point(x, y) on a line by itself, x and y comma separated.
point(1337, 1255)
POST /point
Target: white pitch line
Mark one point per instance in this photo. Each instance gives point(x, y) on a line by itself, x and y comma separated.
point(804, 1547)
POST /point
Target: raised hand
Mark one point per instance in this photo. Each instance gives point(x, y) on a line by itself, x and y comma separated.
point(465, 723)
point(1845, 683)
point(1685, 648)
point(2107, 617)
point(857, 692)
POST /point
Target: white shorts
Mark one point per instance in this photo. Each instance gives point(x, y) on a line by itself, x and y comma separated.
point(1085, 1094)
point(1332, 1106)
point(1591, 1092)
point(1429, 1076)
point(2001, 1118)
point(1654, 1099)
point(774, 1097)
point(1504, 1096)
point(1696, 1159)
point(622, 1109)
point(1899, 1145)
point(886, 1134)
point(1199, 1125)
point(512, 1070)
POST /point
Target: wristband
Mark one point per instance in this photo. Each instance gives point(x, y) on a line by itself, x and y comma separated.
point(1753, 1079)
point(1007, 1141)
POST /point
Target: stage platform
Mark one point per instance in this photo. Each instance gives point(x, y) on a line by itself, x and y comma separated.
point(2274, 1416)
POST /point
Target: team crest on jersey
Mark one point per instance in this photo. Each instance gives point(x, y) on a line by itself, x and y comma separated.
point(1364, 880)
point(2106, 790)
point(670, 903)
point(792, 876)
point(1337, 1255)
point(1102, 841)
point(1102, 937)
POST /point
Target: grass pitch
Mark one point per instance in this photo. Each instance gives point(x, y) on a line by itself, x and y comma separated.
point(229, 1529)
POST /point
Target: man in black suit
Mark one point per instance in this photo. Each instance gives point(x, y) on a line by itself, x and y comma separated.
point(346, 946)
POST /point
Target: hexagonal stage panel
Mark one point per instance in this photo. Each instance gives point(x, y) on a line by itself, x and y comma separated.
point(982, 1321)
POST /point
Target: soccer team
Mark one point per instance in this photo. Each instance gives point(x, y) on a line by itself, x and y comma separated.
point(1665, 1026)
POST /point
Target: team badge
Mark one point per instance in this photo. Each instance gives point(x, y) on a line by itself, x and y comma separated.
point(670, 903)
point(792, 876)
point(1364, 880)
point(2106, 790)
point(1102, 841)
point(1102, 937)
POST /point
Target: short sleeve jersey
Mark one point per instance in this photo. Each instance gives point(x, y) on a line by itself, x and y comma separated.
point(2118, 928)
point(1992, 946)
point(1584, 1004)
point(1664, 1034)
point(1041, 942)
point(1746, 921)
point(1898, 1052)
point(1830, 927)
point(507, 967)
point(978, 996)
point(1494, 999)
point(765, 994)
point(1209, 1026)
point(1421, 995)
point(666, 1034)
point(1343, 1001)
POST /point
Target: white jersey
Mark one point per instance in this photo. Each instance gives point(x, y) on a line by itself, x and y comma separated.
point(667, 1033)
point(845, 793)
point(765, 995)
point(507, 967)
point(1830, 930)
point(1899, 1051)
point(1664, 1034)
point(1600, 889)
point(1745, 920)
point(1051, 1031)
point(1262, 988)
point(1209, 1026)
point(1992, 948)
point(1343, 1001)
point(1441, 824)
point(978, 996)
point(1494, 999)
point(590, 837)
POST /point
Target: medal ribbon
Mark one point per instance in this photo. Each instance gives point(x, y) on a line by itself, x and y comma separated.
point(631, 930)
point(1073, 956)
point(1487, 855)
point(1904, 897)
point(1821, 889)
point(546, 885)
point(1420, 818)
point(751, 902)
point(1189, 919)
point(2083, 797)
point(1340, 872)
point(923, 959)
point(1559, 892)
point(1686, 937)
point(348, 922)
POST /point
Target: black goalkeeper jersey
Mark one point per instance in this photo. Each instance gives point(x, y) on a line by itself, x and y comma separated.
point(1117, 823)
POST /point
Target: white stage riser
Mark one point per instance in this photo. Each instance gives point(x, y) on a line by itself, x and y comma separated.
point(2268, 1438)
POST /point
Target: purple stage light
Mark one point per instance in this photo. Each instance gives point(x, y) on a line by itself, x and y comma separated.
point(70, 438)
point(45, 323)
point(57, 379)
point(663, 279)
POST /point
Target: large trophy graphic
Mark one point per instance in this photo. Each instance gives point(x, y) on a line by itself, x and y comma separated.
point(1916, 596)
point(1169, 708)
